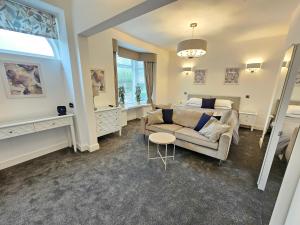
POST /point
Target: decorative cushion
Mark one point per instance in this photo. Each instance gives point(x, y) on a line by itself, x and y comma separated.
point(223, 104)
point(192, 136)
point(226, 117)
point(194, 102)
point(167, 115)
point(186, 118)
point(203, 120)
point(217, 117)
point(155, 117)
point(213, 130)
point(208, 103)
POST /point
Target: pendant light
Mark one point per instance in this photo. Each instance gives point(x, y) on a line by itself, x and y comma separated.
point(192, 48)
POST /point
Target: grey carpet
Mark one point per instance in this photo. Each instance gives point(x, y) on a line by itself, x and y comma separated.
point(116, 185)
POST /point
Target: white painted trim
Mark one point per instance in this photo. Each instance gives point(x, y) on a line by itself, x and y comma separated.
point(33, 154)
point(94, 147)
point(82, 148)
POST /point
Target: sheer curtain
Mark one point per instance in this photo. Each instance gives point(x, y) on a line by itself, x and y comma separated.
point(115, 52)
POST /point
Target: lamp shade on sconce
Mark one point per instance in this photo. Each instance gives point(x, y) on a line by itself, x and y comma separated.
point(187, 70)
point(253, 67)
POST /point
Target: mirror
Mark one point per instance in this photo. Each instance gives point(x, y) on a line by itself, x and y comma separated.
point(284, 117)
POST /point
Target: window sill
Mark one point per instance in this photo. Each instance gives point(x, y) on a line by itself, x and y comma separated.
point(135, 106)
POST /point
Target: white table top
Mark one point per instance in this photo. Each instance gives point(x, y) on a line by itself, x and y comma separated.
point(162, 138)
point(32, 120)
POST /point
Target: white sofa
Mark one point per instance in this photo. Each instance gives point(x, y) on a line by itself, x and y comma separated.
point(188, 138)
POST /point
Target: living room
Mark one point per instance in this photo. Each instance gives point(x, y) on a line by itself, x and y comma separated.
point(118, 66)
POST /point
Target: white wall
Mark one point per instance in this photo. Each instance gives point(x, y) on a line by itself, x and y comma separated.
point(231, 54)
point(22, 108)
point(101, 56)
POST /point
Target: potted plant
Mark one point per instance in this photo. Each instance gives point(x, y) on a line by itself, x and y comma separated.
point(122, 95)
point(138, 92)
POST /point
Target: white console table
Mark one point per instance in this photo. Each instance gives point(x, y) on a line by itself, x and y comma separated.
point(14, 129)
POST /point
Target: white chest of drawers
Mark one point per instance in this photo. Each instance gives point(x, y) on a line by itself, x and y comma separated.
point(248, 119)
point(108, 120)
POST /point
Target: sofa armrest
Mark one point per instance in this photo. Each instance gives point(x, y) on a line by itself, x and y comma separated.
point(144, 121)
point(224, 145)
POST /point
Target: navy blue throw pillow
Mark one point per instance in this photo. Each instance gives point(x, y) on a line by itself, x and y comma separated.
point(217, 117)
point(167, 116)
point(203, 120)
point(208, 103)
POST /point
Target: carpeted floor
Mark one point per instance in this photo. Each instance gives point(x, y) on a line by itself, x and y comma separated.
point(116, 185)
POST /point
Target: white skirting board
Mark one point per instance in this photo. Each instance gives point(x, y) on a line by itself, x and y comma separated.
point(33, 154)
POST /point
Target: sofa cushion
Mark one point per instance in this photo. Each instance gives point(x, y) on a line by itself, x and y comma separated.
point(192, 136)
point(214, 129)
point(155, 117)
point(186, 118)
point(208, 103)
point(203, 120)
point(167, 115)
point(169, 128)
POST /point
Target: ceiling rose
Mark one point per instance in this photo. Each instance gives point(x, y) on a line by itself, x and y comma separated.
point(192, 48)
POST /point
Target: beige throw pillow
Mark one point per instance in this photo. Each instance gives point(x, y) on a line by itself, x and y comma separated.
point(155, 117)
point(187, 118)
point(226, 117)
point(214, 129)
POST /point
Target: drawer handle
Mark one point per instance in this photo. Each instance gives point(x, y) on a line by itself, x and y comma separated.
point(10, 132)
point(53, 123)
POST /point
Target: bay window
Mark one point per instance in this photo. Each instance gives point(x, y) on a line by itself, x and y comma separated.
point(131, 76)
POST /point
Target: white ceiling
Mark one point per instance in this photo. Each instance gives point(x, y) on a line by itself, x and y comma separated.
point(235, 20)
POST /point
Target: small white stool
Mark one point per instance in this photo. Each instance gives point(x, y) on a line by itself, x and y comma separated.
point(162, 138)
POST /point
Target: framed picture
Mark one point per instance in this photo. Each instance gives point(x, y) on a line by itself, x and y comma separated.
point(200, 76)
point(298, 80)
point(22, 80)
point(232, 76)
point(98, 81)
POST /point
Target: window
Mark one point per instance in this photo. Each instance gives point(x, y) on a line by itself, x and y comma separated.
point(26, 43)
point(130, 76)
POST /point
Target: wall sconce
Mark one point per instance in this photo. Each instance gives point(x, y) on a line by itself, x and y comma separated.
point(285, 64)
point(253, 67)
point(186, 70)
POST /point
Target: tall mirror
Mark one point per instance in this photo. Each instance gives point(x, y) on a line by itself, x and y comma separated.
point(283, 121)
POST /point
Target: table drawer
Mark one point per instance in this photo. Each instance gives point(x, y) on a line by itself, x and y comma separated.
point(108, 114)
point(247, 119)
point(49, 124)
point(16, 131)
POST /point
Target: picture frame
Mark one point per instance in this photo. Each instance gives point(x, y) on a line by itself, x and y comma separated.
point(98, 80)
point(22, 79)
point(200, 76)
point(232, 76)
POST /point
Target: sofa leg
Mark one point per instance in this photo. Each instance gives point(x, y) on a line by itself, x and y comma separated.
point(220, 163)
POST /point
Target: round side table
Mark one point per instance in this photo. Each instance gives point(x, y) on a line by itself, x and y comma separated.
point(162, 138)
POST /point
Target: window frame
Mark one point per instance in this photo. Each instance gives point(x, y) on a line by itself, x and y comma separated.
point(135, 68)
point(54, 46)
